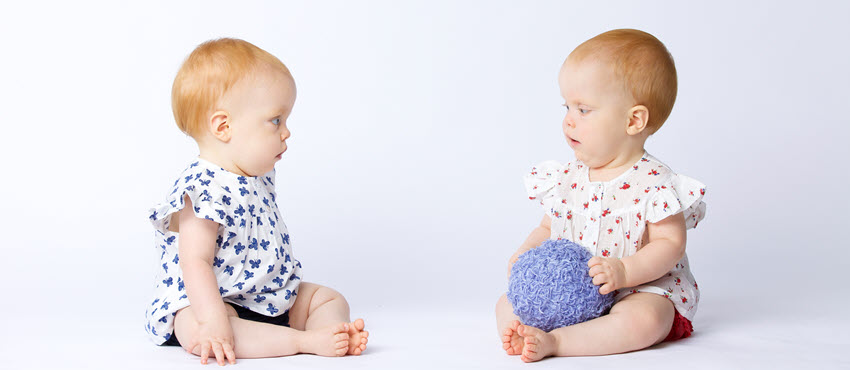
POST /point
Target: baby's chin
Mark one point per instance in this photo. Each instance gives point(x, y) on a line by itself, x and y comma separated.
point(589, 161)
point(580, 156)
point(270, 169)
point(259, 171)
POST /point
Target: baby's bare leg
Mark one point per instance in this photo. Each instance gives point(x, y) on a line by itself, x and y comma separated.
point(317, 307)
point(636, 322)
point(259, 340)
point(506, 325)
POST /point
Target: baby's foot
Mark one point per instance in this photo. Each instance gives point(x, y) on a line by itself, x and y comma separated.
point(511, 341)
point(357, 337)
point(331, 341)
point(537, 344)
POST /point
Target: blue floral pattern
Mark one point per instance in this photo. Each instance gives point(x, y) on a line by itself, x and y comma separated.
point(253, 258)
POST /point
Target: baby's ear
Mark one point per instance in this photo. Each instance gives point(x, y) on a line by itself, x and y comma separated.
point(638, 118)
point(219, 125)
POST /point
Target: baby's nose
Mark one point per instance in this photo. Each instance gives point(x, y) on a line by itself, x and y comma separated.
point(285, 134)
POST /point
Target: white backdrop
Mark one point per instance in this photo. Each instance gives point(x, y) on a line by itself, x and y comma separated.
point(414, 124)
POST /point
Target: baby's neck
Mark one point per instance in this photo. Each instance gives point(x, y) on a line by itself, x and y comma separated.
point(616, 167)
point(217, 157)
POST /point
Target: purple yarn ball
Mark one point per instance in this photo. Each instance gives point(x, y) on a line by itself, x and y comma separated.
point(550, 287)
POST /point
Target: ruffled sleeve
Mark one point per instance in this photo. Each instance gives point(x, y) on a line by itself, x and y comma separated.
point(207, 200)
point(678, 194)
point(541, 181)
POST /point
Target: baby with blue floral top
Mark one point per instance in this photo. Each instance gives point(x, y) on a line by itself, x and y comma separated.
point(228, 285)
point(623, 205)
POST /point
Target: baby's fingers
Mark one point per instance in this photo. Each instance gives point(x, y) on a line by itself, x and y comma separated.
point(607, 288)
point(594, 261)
point(228, 351)
point(595, 270)
point(600, 279)
point(205, 352)
point(219, 353)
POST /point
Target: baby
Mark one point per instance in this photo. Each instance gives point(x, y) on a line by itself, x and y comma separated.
point(622, 204)
point(228, 285)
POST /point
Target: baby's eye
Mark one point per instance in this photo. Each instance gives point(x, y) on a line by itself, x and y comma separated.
point(583, 111)
point(276, 121)
point(566, 106)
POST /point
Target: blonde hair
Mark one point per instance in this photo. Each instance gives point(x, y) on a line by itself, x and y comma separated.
point(208, 73)
point(643, 65)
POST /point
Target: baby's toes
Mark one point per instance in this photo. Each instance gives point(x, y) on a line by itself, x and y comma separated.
point(530, 344)
point(506, 342)
point(341, 346)
point(341, 328)
point(512, 349)
point(358, 348)
point(520, 329)
point(529, 353)
point(507, 334)
point(358, 324)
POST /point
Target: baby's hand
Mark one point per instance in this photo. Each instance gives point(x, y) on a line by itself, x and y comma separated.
point(215, 336)
point(608, 272)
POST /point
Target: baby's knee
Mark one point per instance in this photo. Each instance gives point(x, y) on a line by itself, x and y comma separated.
point(185, 328)
point(501, 302)
point(650, 321)
point(325, 294)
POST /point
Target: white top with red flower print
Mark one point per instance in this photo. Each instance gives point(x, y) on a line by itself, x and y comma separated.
point(609, 218)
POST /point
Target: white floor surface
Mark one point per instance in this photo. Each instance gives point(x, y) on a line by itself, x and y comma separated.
point(457, 339)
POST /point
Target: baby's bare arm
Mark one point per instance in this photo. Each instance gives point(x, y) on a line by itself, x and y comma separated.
point(196, 246)
point(537, 236)
point(665, 248)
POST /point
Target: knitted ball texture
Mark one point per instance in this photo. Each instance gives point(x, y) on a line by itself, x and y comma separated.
point(550, 287)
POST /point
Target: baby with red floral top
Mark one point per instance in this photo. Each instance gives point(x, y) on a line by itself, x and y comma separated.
point(619, 202)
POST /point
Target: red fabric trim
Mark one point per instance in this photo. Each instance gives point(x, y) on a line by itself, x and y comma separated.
point(681, 328)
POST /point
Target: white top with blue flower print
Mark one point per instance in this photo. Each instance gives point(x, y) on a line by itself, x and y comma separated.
point(253, 260)
point(609, 218)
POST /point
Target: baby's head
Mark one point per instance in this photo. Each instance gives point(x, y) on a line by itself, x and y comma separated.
point(619, 87)
point(233, 98)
